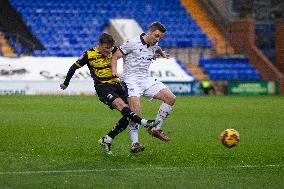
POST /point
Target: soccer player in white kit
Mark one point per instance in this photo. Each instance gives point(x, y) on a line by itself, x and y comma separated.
point(138, 54)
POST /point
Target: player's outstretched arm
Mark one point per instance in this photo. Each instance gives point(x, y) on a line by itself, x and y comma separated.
point(117, 55)
point(69, 75)
point(78, 64)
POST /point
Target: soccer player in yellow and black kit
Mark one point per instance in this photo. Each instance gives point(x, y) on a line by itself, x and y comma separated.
point(109, 89)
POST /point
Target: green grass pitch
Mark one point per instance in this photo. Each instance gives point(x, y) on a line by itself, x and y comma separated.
point(51, 142)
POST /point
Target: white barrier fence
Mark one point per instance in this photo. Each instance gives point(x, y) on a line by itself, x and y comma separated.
point(42, 76)
point(45, 88)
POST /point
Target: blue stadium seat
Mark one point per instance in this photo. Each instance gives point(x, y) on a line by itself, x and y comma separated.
point(76, 20)
point(229, 69)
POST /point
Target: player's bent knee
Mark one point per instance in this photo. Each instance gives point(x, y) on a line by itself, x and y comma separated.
point(166, 96)
point(171, 99)
point(118, 104)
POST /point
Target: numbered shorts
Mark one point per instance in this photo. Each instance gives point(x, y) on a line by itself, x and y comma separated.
point(107, 93)
point(147, 87)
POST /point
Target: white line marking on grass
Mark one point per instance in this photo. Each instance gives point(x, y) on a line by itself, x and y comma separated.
point(132, 169)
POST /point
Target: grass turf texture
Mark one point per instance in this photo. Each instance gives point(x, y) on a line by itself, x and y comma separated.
point(51, 142)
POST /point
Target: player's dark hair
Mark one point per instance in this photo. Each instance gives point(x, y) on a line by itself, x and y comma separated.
point(158, 26)
point(106, 39)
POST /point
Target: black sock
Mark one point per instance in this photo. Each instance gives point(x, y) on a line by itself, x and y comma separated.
point(120, 126)
point(131, 115)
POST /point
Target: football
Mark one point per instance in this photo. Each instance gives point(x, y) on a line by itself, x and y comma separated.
point(230, 138)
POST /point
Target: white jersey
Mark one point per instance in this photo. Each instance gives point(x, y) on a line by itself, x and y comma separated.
point(138, 56)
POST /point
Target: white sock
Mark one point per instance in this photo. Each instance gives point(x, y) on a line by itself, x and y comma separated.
point(163, 112)
point(107, 139)
point(144, 122)
point(133, 130)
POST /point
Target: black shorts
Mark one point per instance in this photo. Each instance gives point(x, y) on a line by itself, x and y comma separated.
point(107, 93)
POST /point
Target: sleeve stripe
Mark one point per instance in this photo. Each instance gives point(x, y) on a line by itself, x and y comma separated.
point(78, 65)
point(121, 51)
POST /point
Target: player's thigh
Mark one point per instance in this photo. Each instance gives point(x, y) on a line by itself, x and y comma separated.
point(121, 90)
point(132, 88)
point(134, 91)
point(107, 94)
point(134, 104)
point(153, 87)
point(166, 95)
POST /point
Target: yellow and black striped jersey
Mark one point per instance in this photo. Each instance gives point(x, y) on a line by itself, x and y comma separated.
point(99, 65)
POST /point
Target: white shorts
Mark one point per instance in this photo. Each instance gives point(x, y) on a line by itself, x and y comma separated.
point(147, 87)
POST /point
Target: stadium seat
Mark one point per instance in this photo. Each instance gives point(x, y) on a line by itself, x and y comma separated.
point(233, 69)
point(71, 22)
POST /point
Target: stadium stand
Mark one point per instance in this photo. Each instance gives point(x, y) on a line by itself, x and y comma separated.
point(16, 32)
point(229, 69)
point(66, 28)
point(207, 24)
point(5, 48)
point(264, 27)
point(261, 12)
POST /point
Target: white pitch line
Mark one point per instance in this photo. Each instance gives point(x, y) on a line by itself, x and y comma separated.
point(133, 169)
